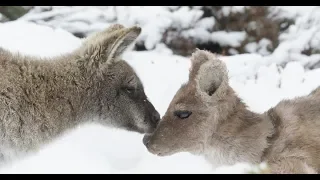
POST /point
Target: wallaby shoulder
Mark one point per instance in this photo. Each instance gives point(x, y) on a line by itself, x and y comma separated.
point(297, 123)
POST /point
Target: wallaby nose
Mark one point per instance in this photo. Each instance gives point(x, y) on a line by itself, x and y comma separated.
point(146, 139)
point(152, 147)
point(156, 117)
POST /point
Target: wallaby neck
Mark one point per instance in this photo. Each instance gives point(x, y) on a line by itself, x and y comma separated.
point(241, 135)
point(49, 94)
point(74, 90)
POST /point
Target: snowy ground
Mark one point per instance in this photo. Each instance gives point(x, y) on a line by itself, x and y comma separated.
point(259, 80)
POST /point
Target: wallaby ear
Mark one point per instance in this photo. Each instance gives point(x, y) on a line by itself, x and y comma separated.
point(107, 46)
point(95, 37)
point(113, 28)
point(209, 72)
point(124, 38)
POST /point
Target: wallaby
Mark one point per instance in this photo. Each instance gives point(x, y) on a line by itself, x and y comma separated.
point(42, 98)
point(207, 118)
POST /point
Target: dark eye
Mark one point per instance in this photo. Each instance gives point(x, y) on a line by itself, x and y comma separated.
point(129, 89)
point(182, 114)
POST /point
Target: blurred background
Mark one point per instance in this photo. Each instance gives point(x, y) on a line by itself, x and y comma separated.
point(227, 30)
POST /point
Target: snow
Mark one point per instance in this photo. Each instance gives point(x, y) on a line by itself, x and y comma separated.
point(154, 20)
point(226, 10)
point(261, 47)
point(293, 11)
point(251, 47)
point(232, 39)
point(260, 78)
point(15, 39)
point(206, 23)
point(82, 151)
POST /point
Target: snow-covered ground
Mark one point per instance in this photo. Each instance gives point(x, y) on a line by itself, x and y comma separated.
point(262, 81)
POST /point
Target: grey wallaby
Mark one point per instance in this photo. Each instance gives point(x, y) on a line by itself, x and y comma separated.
point(42, 98)
point(207, 118)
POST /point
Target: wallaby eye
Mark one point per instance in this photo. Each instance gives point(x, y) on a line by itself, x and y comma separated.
point(182, 114)
point(129, 89)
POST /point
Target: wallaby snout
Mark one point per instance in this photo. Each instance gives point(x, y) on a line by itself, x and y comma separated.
point(152, 116)
point(155, 117)
point(146, 139)
point(155, 148)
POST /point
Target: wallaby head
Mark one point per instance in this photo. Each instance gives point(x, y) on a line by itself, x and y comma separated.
point(119, 92)
point(194, 111)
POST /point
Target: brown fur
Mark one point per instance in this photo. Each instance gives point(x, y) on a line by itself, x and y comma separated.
point(222, 129)
point(42, 98)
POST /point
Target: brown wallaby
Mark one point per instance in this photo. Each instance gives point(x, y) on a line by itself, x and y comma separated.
point(42, 98)
point(207, 118)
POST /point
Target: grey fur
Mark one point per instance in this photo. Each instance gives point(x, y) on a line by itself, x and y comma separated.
point(223, 130)
point(40, 99)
